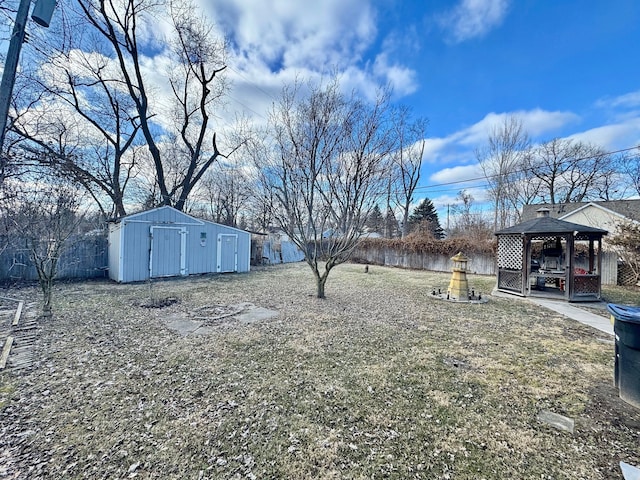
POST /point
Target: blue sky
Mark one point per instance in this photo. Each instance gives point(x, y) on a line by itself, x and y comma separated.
point(567, 69)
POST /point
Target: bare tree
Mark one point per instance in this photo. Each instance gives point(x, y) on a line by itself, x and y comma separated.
point(326, 171)
point(196, 82)
point(84, 125)
point(42, 213)
point(570, 171)
point(630, 168)
point(226, 190)
point(406, 160)
point(502, 163)
point(468, 221)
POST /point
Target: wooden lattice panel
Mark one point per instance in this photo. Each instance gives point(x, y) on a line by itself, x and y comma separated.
point(545, 238)
point(510, 252)
point(587, 285)
point(626, 276)
point(510, 280)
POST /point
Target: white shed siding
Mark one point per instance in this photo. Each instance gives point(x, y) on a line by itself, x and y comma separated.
point(115, 259)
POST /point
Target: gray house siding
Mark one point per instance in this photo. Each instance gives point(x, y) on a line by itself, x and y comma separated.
point(166, 242)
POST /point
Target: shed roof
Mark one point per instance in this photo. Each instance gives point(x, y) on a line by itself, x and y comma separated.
point(168, 214)
point(548, 225)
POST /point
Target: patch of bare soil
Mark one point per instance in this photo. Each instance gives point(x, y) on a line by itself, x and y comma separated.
point(379, 380)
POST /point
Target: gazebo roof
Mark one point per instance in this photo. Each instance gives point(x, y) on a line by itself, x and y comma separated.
point(548, 225)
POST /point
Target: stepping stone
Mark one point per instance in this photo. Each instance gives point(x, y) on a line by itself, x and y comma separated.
point(555, 420)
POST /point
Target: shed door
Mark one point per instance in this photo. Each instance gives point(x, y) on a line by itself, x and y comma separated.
point(227, 253)
point(168, 251)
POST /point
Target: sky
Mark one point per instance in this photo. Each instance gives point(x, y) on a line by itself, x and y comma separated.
point(567, 69)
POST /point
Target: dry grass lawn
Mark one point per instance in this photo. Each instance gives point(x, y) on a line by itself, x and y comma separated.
point(380, 380)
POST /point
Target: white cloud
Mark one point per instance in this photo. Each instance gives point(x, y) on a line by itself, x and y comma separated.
point(612, 137)
point(287, 34)
point(474, 18)
point(628, 100)
point(401, 78)
point(459, 146)
point(433, 146)
point(535, 122)
point(275, 42)
point(460, 173)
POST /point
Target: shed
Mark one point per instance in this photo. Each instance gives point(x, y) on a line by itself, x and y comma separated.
point(165, 242)
point(552, 258)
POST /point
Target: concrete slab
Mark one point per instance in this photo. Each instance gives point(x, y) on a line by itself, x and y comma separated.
point(568, 310)
point(255, 314)
point(243, 313)
point(183, 326)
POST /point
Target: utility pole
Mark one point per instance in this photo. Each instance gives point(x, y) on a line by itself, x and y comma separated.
point(448, 208)
point(41, 15)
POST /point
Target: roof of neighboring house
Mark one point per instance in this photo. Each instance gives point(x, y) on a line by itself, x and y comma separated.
point(548, 225)
point(627, 208)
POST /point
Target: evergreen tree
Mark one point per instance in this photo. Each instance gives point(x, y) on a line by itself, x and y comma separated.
point(391, 226)
point(375, 221)
point(425, 219)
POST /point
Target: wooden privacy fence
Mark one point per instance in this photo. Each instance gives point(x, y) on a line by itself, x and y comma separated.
point(86, 257)
point(479, 263)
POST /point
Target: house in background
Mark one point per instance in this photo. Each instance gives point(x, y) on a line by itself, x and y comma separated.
point(599, 214)
point(165, 242)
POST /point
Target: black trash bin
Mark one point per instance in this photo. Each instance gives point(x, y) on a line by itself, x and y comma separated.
point(627, 365)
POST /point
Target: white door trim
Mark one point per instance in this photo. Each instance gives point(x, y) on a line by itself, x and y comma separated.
point(219, 255)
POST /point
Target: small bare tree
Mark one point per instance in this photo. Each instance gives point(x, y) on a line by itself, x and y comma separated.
point(226, 191)
point(468, 221)
point(406, 161)
point(326, 171)
point(502, 163)
point(626, 241)
point(41, 214)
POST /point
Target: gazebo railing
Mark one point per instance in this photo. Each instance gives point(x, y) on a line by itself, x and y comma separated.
point(509, 279)
point(586, 285)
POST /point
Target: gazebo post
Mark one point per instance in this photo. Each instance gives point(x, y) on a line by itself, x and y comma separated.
point(569, 265)
point(599, 266)
point(526, 261)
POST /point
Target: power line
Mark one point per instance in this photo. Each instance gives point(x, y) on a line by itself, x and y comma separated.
point(255, 85)
point(524, 170)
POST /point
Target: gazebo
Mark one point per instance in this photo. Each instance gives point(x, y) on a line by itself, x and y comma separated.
point(551, 258)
